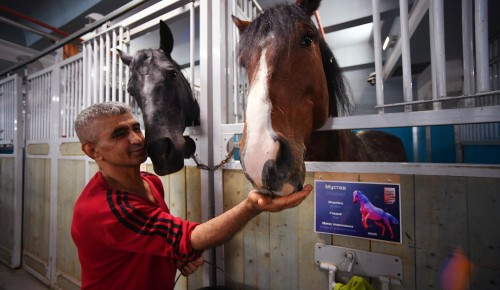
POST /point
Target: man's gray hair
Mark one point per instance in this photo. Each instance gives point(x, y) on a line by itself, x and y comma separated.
point(84, 126)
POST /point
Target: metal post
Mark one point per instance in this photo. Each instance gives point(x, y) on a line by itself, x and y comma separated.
point(206, 148)
point(468, 51)
point(405, 38)
point(377, 46)
point(192, 42)
point(436, 13)
point(482, 54)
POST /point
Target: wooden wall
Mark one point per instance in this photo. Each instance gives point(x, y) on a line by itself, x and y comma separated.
point(439, 214)
point(6, 208)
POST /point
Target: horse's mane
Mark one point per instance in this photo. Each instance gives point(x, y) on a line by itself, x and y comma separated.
point(280, 19)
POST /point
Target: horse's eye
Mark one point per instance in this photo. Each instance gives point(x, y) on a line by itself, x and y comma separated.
point(307, 40)
point(173, 75)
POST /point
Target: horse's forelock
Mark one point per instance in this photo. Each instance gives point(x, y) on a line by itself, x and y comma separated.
point(278, 20)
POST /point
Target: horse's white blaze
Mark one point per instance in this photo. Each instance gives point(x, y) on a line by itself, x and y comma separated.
point(260, 145)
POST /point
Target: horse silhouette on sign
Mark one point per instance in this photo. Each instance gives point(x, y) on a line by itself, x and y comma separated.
point(368, 211)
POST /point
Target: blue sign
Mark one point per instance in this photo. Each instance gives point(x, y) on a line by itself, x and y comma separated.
point(358, 209)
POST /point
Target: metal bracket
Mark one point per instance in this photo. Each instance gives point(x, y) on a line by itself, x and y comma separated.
point(360, 262)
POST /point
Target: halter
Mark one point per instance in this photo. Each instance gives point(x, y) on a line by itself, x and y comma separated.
point(320, 27)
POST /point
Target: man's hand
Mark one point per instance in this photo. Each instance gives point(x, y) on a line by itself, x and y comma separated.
point(262, 202)
point(187, 268)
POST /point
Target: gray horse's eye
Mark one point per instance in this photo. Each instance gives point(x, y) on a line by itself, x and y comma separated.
point(173, 75)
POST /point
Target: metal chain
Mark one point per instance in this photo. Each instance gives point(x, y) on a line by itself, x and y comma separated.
point(202, 166)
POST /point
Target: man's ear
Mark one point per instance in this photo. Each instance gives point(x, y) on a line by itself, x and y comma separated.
point(89, 150)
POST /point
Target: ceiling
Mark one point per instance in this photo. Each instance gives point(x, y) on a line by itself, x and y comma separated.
point(345, 30)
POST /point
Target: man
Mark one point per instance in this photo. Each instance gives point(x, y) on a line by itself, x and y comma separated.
point(124, 232)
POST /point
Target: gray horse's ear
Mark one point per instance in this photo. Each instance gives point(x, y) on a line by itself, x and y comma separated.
point(166, 38)
point(241, 24)
point(124, 57)
point(309, 6)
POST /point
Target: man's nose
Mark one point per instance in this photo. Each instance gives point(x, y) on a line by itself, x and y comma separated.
point(136, 138)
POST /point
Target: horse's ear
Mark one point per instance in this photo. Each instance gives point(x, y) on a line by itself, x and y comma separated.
point(241, 24)
point(124, 57)
point(309, 6)
point(166, 38)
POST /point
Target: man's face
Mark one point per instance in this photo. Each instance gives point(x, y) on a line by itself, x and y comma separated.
point(120, 141)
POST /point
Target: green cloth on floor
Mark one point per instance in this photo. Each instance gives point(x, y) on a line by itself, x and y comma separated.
point(356, 283)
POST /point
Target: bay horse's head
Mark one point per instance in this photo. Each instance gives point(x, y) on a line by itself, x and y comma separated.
point(293, 76)
point(166, 101)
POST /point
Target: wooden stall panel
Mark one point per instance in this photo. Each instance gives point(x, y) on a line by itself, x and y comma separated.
point(36, 215)
point(274, 251)
point(7, 193)
point(483, 204)
point(183, 197)
point(70, 184)
point(440, 225)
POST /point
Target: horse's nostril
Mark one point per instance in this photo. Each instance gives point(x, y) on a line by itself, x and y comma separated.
point(189, 147)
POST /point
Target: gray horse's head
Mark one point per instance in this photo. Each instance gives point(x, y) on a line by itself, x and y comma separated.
point(166, 101)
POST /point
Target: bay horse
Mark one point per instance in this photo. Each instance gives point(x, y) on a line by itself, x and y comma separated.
point(370, 212)
point(295, 84)
point(167, 103)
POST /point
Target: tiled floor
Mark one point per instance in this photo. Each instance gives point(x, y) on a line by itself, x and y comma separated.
point(18, 280)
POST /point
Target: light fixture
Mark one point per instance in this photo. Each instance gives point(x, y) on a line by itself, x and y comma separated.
point(389, 41)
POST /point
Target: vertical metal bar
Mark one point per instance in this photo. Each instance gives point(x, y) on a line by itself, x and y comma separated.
point(53, 119)
point(377, 47)
point(85, 70)
point(206, 83)
point(120, 66)
point(236, 75)
point(107, 67)
point(127, 71)
point(100, 68)
point(18, 172)
point(481, 29)
point(436, 12)
point(405, 38)
point(192, 42)
point(113, 67)
point(95, 71)
point(468, 50)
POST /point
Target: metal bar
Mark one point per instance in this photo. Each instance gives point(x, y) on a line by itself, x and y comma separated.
point(468, 51)
point(32, 20)
point(28, 28)
point(192, 42)
point(100, 69)
point(405, 39)
point(393, 120)
point(113, 66)
point(94, 72)
point(377, 47)
point(443, 99)
point(436, 14)
point(482, 56)
point(418, 11)
point(107, 53)
point(120, 66)
point(125, 8)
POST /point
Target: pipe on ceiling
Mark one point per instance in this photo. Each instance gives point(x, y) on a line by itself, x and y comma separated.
point(28, 28)
point(32, 20)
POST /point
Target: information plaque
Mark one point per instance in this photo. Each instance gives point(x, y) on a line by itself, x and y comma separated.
point(358, 209)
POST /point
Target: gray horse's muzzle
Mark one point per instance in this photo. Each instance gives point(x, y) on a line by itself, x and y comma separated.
point(167, 156)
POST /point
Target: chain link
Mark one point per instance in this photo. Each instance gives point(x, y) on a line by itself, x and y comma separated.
point(202, 166)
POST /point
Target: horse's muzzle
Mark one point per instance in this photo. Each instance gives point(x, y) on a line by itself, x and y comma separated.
point(278, 175)
point(168, 157)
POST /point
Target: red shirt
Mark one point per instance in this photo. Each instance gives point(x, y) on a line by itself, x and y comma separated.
point(125, 241)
